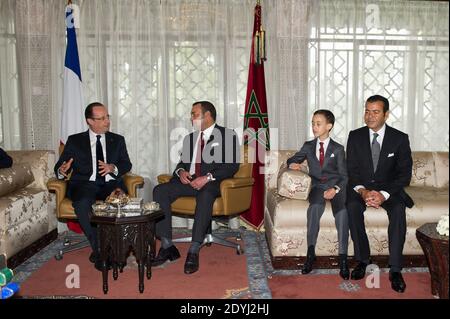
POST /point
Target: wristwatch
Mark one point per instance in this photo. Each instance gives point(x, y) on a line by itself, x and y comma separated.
point(209, 177)
point(336, 188)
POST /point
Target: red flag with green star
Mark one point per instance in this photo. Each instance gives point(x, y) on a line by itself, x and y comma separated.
point(256, 122)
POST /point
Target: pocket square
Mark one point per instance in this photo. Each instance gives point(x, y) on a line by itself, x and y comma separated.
point(214, 144)
point(332, 155)
point(390, 154)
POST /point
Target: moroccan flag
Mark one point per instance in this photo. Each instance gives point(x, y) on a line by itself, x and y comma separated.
point(256, 122)
point(72, 117)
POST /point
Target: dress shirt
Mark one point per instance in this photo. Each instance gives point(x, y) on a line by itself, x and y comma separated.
point(380, 139)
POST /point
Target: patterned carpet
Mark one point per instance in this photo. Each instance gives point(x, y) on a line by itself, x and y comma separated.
point(259, 267)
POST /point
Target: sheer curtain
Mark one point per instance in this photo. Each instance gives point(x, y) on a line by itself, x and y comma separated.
point(399, 49)
point(149, 60)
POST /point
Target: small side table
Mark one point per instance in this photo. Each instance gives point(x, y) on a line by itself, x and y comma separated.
point(435, 248)
point(119, 235)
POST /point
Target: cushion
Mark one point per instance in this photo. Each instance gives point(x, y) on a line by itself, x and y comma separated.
point(14, 178)
point(41, 163)
point(293, 184)
point(423, 170)
point(441, 164)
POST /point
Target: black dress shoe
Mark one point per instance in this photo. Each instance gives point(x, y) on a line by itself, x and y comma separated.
point(359, 272)
point(344, 272)
point(308, 266)
point(170, 253)
point(310, 258)
point(191, 264)
point(397, 282)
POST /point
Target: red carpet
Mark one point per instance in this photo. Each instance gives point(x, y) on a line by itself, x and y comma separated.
point(221, 273)
point(315, 286)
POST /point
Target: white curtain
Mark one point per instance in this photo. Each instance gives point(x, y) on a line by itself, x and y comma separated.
point(149, 60)
point(399, 49)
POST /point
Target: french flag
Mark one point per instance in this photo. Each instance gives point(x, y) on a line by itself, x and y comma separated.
point(72, 117)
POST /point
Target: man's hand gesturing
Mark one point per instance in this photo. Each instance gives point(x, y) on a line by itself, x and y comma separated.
point(65, 167)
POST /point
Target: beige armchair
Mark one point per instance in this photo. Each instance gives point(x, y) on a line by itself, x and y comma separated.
point(236, 193)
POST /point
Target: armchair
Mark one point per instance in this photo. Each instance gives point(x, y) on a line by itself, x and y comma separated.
point(65, 211)
point(236, 193)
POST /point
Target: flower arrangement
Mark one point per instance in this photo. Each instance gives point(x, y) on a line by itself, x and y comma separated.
point(442, 226)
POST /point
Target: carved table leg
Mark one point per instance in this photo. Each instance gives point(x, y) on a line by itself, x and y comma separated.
point(115, 271)
point(141, 267)
point(105, 277)
point(149, 263)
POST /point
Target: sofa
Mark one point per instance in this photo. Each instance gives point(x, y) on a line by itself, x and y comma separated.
point(27, 210)
point(285, 214)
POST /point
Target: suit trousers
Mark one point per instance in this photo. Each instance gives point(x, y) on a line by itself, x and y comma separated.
point(83, 195)
point(315, 212)
point(395, 208)
point(165, 194)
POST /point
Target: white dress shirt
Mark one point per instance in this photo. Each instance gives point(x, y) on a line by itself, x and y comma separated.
point(325, 142)
point(380, 139)
point(206, 135)
point(93, 140)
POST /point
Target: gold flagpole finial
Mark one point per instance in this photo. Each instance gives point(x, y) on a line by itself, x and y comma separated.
point(258, 2)
point(69, 2)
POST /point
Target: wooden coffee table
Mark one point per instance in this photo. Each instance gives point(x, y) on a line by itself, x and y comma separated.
point(120, 234)
point(435, 248)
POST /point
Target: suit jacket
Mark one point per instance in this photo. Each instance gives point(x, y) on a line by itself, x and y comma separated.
point(333, 172)
point(394, 168)
point(220, 155)
point(5, 160)
point(78, 147)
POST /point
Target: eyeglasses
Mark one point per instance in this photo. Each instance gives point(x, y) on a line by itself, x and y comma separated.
point(107, 117)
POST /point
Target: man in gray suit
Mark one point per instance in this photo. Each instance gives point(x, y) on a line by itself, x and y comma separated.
point(327, 168)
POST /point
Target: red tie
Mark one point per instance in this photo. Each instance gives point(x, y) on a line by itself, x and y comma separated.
point(198, 158)
point(321, 154)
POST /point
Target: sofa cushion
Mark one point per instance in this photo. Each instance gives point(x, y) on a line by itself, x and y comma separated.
point(441, 166)
point(16, 177)
point(40, 162)
point(293, 184)
point(424, 171)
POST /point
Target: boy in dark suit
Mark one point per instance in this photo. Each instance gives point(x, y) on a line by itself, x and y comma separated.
point(327, 168)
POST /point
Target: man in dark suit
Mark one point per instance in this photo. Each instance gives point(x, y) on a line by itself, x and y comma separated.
point(327, 169)
point(379, 166)
point(5, 160)
point(95, 160)
point(198, 174)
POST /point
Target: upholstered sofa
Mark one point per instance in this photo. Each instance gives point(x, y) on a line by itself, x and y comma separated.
point(285, 217)
point(27, 210)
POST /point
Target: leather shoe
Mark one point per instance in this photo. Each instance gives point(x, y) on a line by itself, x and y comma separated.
point(397, 282)
point(310, 258)
point(359, 272)
point(191, 264)
point(170, 253)
point(308, 266)
point(344, 272)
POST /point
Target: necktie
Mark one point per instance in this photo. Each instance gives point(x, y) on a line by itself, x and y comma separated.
point(99, 155)
point(198, 158)
point(321, 154)
point(375, 151)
